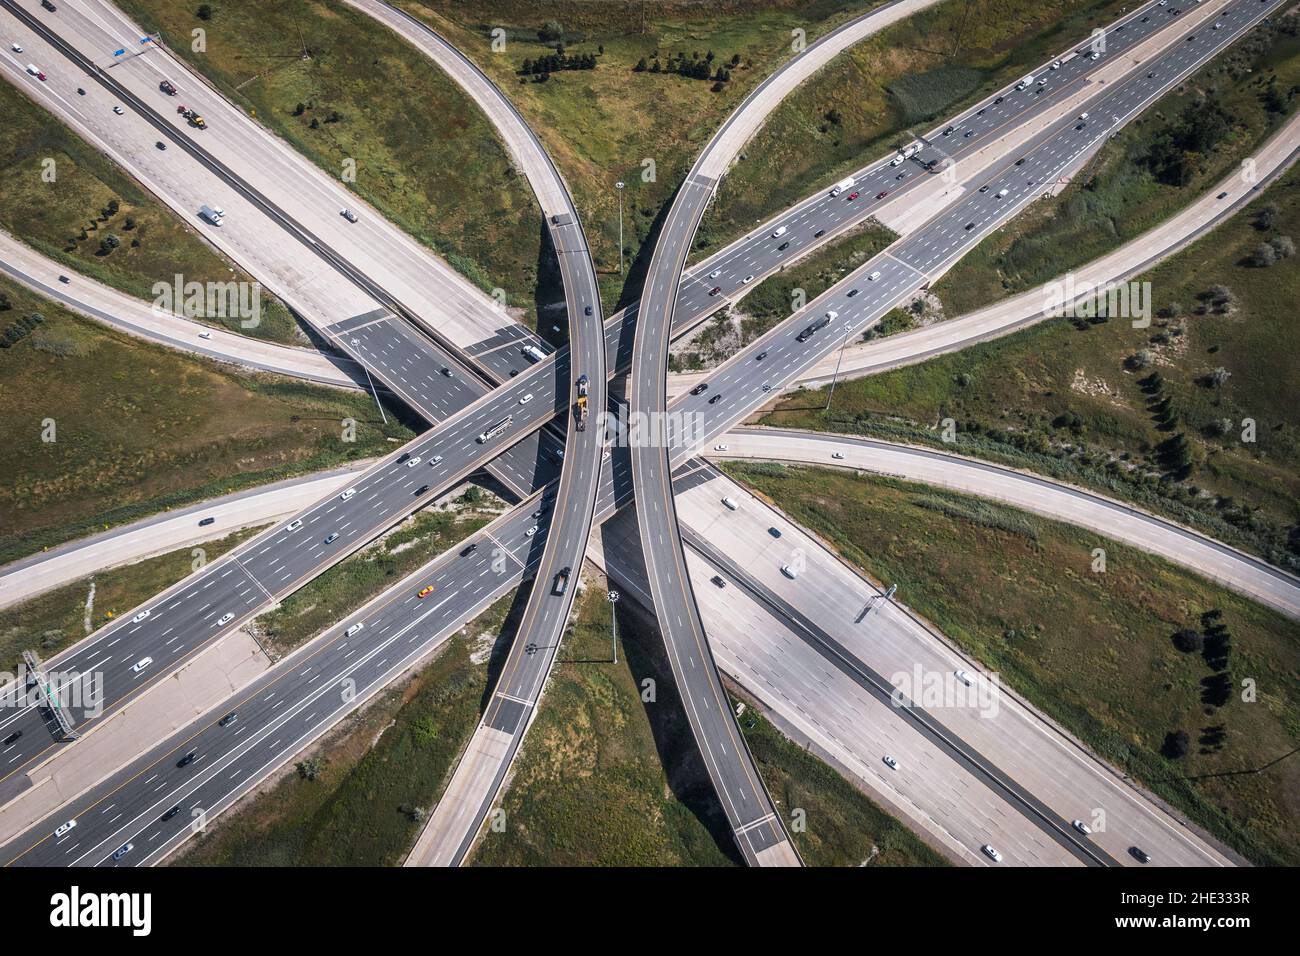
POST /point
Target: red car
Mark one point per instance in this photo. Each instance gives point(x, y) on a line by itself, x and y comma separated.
point(715, 290)
point(882, 195)
point(853, 196)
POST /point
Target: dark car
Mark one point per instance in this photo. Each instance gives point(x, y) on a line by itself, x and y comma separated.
point(715, 290)
point(170, 813)
point(422, 489)
point(715, 398)
point(782, 247)
point(229, 719)
point(882, 194)
point(586, 310)
point(970, 226)
point(206, 521)
point(699, 389)
point(161, 145)
point(1139, 854)
point(187, 759)
point(998, 100)
point(166, 87)
point(819, 233)
point(12, 737)
point(717, 579)
point(760, 356)
point(469, 549)
point(48, 6)
point(1020, 161)
point(852, 293)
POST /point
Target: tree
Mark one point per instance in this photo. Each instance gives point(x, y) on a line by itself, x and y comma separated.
point(108, 244)
point(308, 769)
point(1218, 377)
point(300, 109)
point(1188, 640)
point(1176, 744)
point(641, 66)
point(1284, 246)
point(5, 304)
point(551, 31)
point(1263, 256)
point(205, 11)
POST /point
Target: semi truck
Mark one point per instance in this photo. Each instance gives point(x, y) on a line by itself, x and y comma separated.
point(580, 407)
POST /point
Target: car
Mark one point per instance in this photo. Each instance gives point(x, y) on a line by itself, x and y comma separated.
point(422, 489)
point(853, 196)
point(125, 848)
point(189, 758)
point(1056, 65)
point(435, 461)
point(1020, 161)
point(730, 503)
point(16, 47)
point(469, 549)
point(170, 813)
point(767, 387)
point(901, 176)
point(230, 718)
point(962, 676)
point(167, 87)
point(1217, 25)
point(998, 100)
point(161, 145)
point(780, 231)
point(882, 194)
point(948, 130)
point(586, 310)
point(819, 233)
point(700, 389)
point(874, 276)
point(1081, 827)
point(413, 461)
point(970, 226)
point(720, 447)
point(528, 397)
point(715, 273)
point(35, 72)
point(355, 628)
point(790, 571)
point(561, 582)
point(1151, 76)
point(48, 5)
point(1191, 37)
point(851, 293)
point(141, 616)
point(890, 762)
point(760, 356)
point(1139, 854)
point(530, 532)
point(837, 455)
point(117, 110)
point(331, 537)
point(747, 280)
point(141, 664)
point(425, 591)
point(774, 532)
point(980, 112)
point(783, 246)
point(225, 619)
point(293, 525)
point(347, 494)
point(984, 188)
point(715, 398)
point(348, 214)
point(717, 579)
point(1222, 195)
point(12, 737)
point(447, 372)
point(1002, 193)
point(1079, 126)
point(991, 853)
point(63, 828)
point(715, 290)
point(968, 134)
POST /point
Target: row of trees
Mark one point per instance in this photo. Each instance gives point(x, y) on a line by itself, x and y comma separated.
point(19, 330)
point(695, 67)
point(558, 62)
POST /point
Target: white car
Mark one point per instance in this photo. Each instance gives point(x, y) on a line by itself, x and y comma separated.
point(117, 110)
point(790, 571)
point(962, 676)
point(293, 525)
point(64, 828)
point(347, 494)
point(141, 664)
point(837, 455)
point(719, 447)
point(781, 230)
point(731, 504)
point(747, 280)
point(874, 276)
point(354, 628)
point(991, 853)
point(16, 47)
point(140, 617)
point(205, 334)
point(526, 399)
point(411, 463)
point(890, 762)
point(225, 619)
point(348, 214)
point(715, 273)
point(530, 532)
point(436, 460)
point(1081, 827)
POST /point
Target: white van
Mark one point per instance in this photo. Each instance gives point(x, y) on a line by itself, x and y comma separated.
point(731, 503)
point(141, 664)
point(780, 231)
point(354, 628)
point(789, 571)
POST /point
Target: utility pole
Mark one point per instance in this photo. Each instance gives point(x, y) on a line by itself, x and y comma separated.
point(613, 597)
point(619, 186)
point(839, 358)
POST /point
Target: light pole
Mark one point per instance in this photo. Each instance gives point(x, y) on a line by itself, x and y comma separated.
point(839, 358)
point(619, 186)
point(613, 597)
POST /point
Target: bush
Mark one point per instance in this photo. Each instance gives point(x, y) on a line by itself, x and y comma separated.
point(1188, 640)
point(1176, 744)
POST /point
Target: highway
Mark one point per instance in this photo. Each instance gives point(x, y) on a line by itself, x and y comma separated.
point(728, 409)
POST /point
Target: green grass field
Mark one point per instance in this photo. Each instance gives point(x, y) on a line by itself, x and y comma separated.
point(1118, 196)
point(606, 779)
point(868, 98)
point(601, 125)
point(1093, 651)
point(56, 619)
point(1063, 399)
point(139, 428)
point(66, 218)
point(424, 154)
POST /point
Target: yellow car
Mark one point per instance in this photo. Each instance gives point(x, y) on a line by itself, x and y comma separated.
point(426, 591)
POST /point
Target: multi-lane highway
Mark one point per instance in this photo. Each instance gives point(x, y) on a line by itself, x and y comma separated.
point(788, 361)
